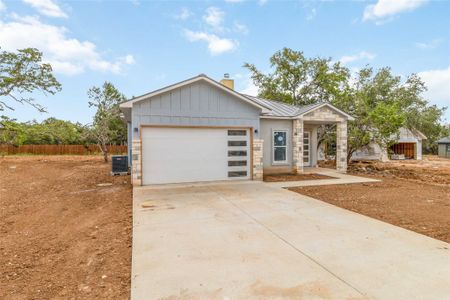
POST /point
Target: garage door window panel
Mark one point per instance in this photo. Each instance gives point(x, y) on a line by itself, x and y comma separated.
point(237, 143)
point(237, 132)
point(237, 174)
point(233, 153)
point(237, 163)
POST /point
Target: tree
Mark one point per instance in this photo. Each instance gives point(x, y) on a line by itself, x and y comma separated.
point(48, 132)
point(299, 80)
point(54, 131)
point(23, 73)
point(377, 101)
point(381, 102)
point(11, 132)
point(107, 127)
point(445, 131)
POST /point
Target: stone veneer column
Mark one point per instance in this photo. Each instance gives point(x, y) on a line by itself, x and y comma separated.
point(258, 159)
point(136, 172)
point(297, 145)
point(341, 146)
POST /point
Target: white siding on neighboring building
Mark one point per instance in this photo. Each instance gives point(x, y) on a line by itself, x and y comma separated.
point(374, 151)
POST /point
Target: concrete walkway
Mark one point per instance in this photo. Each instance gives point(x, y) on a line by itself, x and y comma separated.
point(253, 240)
point(338, 178)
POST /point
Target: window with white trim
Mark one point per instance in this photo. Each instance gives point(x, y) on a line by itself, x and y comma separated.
point(279, 146)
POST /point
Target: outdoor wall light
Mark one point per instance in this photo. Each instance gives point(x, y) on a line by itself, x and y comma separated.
point(256, 131)
point(136, 129)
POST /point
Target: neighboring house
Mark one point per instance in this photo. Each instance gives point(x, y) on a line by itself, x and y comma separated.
point(203, 130)
point(408, 146)
point(444, 147)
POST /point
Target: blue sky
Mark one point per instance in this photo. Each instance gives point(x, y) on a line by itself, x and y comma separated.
point(141, 46)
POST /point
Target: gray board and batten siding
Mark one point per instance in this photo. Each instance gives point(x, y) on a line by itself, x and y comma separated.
point(196, 104)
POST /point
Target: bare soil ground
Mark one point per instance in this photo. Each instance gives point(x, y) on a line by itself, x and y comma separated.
point(413, 194)
point(294, 177)
point(431, 169)
point(61, 235)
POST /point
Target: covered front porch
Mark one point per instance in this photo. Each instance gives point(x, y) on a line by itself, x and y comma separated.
point(305, 144)
point(291, 145)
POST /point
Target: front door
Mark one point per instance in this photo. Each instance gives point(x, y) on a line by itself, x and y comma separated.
point(307, 148)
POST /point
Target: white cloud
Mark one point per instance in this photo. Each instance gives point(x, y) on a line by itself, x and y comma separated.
point(239, 27)
point(67, 55)
point(214, 17)
point(184, 14)
point(430, 45)
point(47, 8)
point(363, 55)
point(438, 84)
point(216, 45)
point(312, 14)
point(2, 6)
point(65, 67)
point(249, 88)
point(129, 59)
point(213, 30)
point(262, 2)
point(383, 10)
point(234, 1)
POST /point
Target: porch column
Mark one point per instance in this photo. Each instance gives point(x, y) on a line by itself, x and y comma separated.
point(341, 146)
point(297, 145)
point(258, 159)
point(136, 172)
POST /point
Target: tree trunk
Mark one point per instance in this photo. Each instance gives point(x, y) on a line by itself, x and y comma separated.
point(104, 150)
point(105, 153)
point(349, 155)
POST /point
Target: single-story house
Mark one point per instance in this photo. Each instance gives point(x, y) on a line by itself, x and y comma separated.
point(444, 147)
point(203, 130)
point(408, 146)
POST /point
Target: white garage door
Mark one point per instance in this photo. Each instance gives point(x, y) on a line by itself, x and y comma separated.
point(174, 155)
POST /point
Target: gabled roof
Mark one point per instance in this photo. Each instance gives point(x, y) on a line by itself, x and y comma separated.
point(201, 77)
point(307, 109)
point(270, 108)
point(445, 140)
point(419, 134)
point(280, 109)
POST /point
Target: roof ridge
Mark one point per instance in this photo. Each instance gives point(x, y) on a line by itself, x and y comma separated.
point(265, 99)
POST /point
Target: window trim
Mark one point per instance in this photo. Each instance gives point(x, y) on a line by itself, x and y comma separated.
point(279, 162)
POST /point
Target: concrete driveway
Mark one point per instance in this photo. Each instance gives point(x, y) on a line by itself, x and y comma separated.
point(252, 240)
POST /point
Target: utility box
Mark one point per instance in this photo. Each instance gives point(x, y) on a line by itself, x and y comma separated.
point(119, 165)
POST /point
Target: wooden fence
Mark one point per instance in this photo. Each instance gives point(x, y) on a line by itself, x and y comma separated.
point(59, 149)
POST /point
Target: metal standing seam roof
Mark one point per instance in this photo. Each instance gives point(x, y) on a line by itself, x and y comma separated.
point(280, 109)
point(445, 140)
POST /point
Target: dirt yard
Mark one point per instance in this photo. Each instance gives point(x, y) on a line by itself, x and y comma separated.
point(432, 169)
point(61, 234)
point(413, 194)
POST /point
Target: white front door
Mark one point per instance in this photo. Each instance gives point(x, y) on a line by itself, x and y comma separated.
point(307, 148)
point(177, 154)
